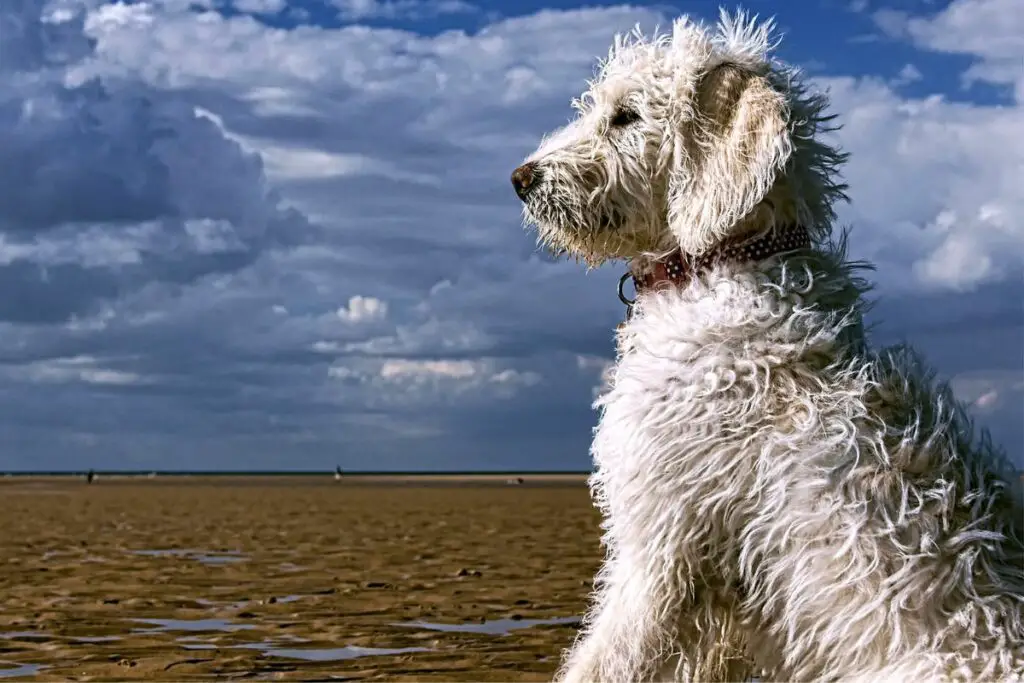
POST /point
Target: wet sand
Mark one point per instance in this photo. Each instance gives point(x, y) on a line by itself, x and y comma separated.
point(292, 578)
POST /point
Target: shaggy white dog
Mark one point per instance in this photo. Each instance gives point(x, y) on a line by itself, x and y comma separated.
point(778, 500)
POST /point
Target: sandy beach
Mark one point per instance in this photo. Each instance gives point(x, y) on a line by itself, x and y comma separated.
point(292, 578)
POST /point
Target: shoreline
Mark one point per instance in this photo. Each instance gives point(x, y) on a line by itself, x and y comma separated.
point(346, 479)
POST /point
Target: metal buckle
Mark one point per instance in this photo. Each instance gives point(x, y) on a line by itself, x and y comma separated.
point(622, 296)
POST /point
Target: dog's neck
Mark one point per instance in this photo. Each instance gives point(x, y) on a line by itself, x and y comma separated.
point(678, 268)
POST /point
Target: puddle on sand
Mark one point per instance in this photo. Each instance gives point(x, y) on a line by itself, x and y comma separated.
point(496, 627)
point(201, 556)
point(332, 654)
point(15, 670)
point(161, 625)
point(24, 635)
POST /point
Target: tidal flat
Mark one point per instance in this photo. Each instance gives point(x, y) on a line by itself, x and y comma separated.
point(293, 578)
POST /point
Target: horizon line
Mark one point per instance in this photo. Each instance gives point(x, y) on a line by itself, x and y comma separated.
point(290, 473)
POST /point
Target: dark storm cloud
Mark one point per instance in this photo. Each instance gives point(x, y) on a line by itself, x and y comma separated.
point(106, 188)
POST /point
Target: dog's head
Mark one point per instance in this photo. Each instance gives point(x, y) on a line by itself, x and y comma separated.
point(683, 140)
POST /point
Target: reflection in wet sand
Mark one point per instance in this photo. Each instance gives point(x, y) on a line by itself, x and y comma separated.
point(24, 635)
point(13, 670)
point(201, 556)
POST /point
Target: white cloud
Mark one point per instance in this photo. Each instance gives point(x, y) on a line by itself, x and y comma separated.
point(991, 31)
point(987, 390)
point(285, 163)
point(603, 368)
point(908, 74)
point(968, 247)
point(935, 182)
point(210, 236)
point(400, 369)
point(361, 309)
point(343, 372)
point(415, 381)
point(432, 334)
point(355, 10)
point(260, 6)
point(452, 72)
point(457, 375)
point(934, 185)
point(326, 346)
point(84, 369)
point(593, 364)
point(986, 400)
point(915, 160)
point(276, 101)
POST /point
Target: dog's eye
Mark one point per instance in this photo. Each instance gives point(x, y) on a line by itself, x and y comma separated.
point(624, 117)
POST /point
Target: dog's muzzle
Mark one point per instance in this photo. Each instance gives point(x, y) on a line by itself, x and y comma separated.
point(525, 178)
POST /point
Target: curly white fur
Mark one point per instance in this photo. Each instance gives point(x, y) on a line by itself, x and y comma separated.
point(778, 500)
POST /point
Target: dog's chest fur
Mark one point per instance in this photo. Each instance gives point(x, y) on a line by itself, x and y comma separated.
point(717, 387)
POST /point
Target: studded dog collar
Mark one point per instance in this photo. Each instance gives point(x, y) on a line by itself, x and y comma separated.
point(678, 269)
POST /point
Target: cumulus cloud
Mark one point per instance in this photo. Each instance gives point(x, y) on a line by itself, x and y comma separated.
point(962, 158)
point(991, 32)
point(935, 180)
point(363, 309)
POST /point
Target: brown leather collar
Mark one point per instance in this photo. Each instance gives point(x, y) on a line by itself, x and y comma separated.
point(679, 269)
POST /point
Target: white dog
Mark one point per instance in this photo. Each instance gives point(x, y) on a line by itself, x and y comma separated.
point(778, 500)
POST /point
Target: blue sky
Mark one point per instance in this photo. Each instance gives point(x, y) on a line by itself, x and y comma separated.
point(263, 234)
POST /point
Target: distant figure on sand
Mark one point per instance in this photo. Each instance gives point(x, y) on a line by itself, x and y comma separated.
point(89, 477)
point(337, 473)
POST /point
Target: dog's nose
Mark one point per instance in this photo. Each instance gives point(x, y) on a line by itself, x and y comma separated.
point(525, 178)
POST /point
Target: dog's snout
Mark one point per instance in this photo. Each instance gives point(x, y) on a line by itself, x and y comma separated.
point(525, 179)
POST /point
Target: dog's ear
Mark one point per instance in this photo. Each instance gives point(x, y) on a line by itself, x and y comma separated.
point(726, 155)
